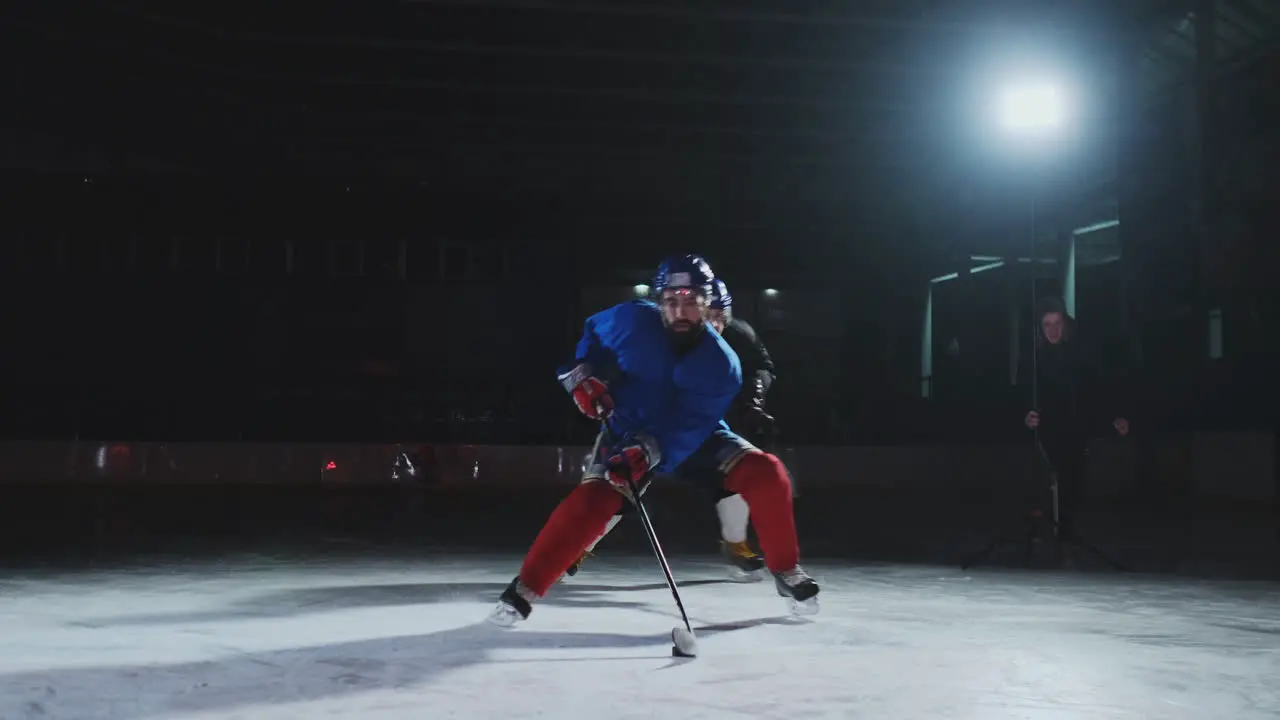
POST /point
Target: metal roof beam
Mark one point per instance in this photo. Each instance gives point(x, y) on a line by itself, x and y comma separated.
point(642, 154)
point(698, 12)
point(548, 52)
point(616, 94)
point(426, 121)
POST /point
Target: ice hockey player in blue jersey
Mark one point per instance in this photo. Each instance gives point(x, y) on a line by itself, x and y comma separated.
point(662, 382)
point(747, 418)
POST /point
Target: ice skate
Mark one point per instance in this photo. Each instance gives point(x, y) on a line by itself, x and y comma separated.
point(514, 605)
point(799, 589)
point(746, 565)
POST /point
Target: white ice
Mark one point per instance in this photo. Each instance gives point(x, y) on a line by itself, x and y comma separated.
point(373, 639)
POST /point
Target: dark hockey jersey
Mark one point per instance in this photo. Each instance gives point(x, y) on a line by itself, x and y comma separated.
point(758, 370)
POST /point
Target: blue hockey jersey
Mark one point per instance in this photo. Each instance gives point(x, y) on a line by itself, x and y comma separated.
point(679, 400)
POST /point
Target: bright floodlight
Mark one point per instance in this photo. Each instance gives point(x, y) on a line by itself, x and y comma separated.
point(640, 290)
point(1032, 107)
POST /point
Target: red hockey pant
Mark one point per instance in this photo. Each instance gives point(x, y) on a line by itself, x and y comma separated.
point(582, 516)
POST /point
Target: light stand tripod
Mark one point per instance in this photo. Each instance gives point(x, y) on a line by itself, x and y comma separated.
point(1075, 539)
point(1034, 525)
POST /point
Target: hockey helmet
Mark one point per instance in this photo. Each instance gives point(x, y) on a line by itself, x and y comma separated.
point(684, 272)
point(720, 298)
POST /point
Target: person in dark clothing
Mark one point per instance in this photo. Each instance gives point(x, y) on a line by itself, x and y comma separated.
point(749, 415)
point(1072, 400)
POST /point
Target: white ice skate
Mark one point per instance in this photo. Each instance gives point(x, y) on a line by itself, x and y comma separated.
point(800, 590)
point(514, 605)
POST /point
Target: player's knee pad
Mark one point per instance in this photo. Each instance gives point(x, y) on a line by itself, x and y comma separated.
point(758, 472)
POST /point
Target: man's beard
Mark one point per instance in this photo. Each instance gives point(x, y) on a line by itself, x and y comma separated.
point(684, 335)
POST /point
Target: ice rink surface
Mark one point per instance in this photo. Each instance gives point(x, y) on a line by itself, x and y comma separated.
point(263, 637)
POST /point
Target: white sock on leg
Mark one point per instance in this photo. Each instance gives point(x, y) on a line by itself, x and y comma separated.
point(734, 516)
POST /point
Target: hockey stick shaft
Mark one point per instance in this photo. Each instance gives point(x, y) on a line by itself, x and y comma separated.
point(653, 541)
point(662, 558)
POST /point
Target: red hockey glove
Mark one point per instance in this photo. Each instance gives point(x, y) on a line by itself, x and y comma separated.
point(630, 461)
point(589, 393)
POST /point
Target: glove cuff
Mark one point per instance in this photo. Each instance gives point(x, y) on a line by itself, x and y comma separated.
point(652, 450)
point(571, 379)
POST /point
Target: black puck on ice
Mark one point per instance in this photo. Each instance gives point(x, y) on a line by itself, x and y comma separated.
point(677, 652)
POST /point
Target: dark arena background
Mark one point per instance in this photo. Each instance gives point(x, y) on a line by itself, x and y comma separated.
point(286, 288)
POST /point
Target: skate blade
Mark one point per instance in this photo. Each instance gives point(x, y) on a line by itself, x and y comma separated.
point(737, 574)
point(803, 608)
point(504, 616)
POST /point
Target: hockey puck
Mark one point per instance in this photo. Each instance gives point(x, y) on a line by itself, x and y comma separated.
point(677, 652)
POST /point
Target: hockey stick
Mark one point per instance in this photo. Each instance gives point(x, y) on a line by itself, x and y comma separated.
point(683, 642)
